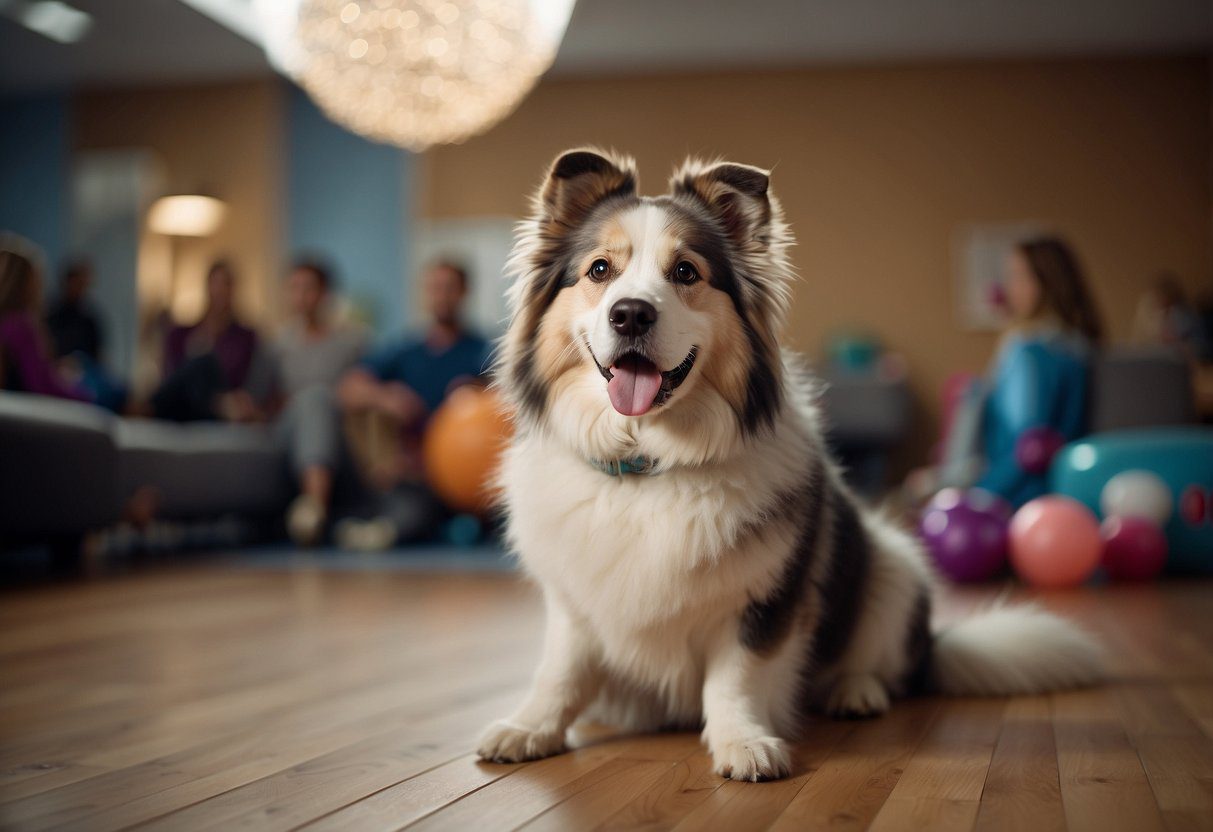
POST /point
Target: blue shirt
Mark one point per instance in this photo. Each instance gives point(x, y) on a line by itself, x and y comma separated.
point(429, 372)
point(1039, 380)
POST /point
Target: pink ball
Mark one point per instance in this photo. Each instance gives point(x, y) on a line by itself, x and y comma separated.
point(1134, 548)
point(1055, 542)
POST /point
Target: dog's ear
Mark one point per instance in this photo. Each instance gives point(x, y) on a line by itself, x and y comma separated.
point(580, 179)
point(735, 194)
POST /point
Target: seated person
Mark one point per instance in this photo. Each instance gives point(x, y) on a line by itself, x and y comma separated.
point(407, 382)
point(309, 357)
point(72, 322)
point(26, 364)
point(207, 364)
point(1165, 317)
point(78, 338)
point(1039, 378)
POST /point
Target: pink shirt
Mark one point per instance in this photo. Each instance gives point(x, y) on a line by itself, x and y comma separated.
point(28, 366)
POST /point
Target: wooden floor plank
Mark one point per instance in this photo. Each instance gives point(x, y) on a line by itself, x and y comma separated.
point(402, 803)
point(202, 696)
point(529, 790)
point(1022, 788)
point(591, 806)
point(122, 797)
point(1176, 754)
point(942, 784)
point(209, 697)
point(854, 781)
point(291, 708)
point(296, 795)
point(1103, 784)
point(914, 814)
point(745, 806)
point(670, 797)
point(1196, 698)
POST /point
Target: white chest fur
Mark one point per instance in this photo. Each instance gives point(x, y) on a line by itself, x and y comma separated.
point(651, 564)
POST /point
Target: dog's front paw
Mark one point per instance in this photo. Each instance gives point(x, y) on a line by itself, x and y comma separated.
point(761, 758)
point(504, 742)
point(858, 696)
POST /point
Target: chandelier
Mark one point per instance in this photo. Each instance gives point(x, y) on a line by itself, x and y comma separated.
point(415, 73)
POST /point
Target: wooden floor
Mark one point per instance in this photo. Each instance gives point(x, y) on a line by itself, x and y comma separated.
point(214, 698)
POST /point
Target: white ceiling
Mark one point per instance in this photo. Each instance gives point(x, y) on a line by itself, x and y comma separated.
point(132, 42)
point(145, 42)
point(614, 35)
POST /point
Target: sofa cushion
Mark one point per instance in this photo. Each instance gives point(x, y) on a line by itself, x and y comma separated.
point(202, 469)
point(58, 466)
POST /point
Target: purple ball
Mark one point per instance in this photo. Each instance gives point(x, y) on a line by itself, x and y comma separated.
point(966, 533)
point(1036, 447)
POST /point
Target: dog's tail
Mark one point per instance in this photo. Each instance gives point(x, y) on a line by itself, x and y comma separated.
point(1014, 650)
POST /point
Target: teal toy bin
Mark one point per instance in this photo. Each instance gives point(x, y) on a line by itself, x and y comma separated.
point(1181, 457)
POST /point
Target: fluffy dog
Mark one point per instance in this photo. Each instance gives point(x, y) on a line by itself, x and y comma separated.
point(702, 562)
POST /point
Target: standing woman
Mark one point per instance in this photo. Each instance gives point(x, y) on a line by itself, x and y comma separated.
point(1041, 372)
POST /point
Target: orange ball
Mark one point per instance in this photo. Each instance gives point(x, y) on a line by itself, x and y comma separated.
point(1054, 542)
point(463, 446)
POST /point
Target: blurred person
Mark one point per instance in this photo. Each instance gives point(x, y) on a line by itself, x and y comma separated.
point(1204, 311)
point(1164, 316)
point(206, 365)
point(406, 382)
point(78, 338)
point(310, 356)
point(74, 325)
point(409, 379)
point(26, 362)
point(1037, 382)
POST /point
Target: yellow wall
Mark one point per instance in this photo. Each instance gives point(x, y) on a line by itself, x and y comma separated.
point(877, 167)
point(225, 139)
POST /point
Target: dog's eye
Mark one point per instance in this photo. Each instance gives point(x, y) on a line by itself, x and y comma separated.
point(599, 270)
point(685, 273)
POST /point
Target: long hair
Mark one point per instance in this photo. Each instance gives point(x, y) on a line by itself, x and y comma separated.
point(19, 269)
point(1064, 294)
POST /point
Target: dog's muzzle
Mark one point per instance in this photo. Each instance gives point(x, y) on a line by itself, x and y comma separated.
point(634, 383)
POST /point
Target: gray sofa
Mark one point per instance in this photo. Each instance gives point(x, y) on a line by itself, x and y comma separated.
point(68, 468)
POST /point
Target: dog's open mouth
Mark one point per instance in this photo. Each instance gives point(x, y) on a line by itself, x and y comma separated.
point(636, 386)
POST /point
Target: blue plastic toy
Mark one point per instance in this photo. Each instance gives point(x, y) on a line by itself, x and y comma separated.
point(1182, 457)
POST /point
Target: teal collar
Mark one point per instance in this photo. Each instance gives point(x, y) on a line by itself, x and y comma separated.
point(619, 467)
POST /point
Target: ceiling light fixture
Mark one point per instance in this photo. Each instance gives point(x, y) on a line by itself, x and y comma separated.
point(415, 73)
point(186, 215)
point(50, 18)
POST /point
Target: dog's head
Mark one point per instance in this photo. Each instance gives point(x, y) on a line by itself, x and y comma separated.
point(631, 311)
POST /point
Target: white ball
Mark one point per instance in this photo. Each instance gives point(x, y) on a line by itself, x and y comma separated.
point(1137, 493)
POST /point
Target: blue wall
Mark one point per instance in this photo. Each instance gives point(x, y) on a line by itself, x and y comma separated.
point(348, 199)
point(34, 172)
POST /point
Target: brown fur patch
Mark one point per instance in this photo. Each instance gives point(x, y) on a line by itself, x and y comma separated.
point(580, 179)
point(674, 249)
point(725, 364)
point(612, 245)
point(555, 351)
point(737, 194)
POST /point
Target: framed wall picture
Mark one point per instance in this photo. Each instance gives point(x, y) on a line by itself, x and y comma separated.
point(481, 245)
point(979, 254)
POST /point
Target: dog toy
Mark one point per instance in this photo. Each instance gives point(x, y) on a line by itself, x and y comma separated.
point(1054, 542)
point(966, 533)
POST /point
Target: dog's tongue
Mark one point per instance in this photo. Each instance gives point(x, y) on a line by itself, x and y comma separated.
point(634, 384)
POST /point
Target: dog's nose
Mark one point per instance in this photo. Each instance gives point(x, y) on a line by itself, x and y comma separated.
point(633, 317)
